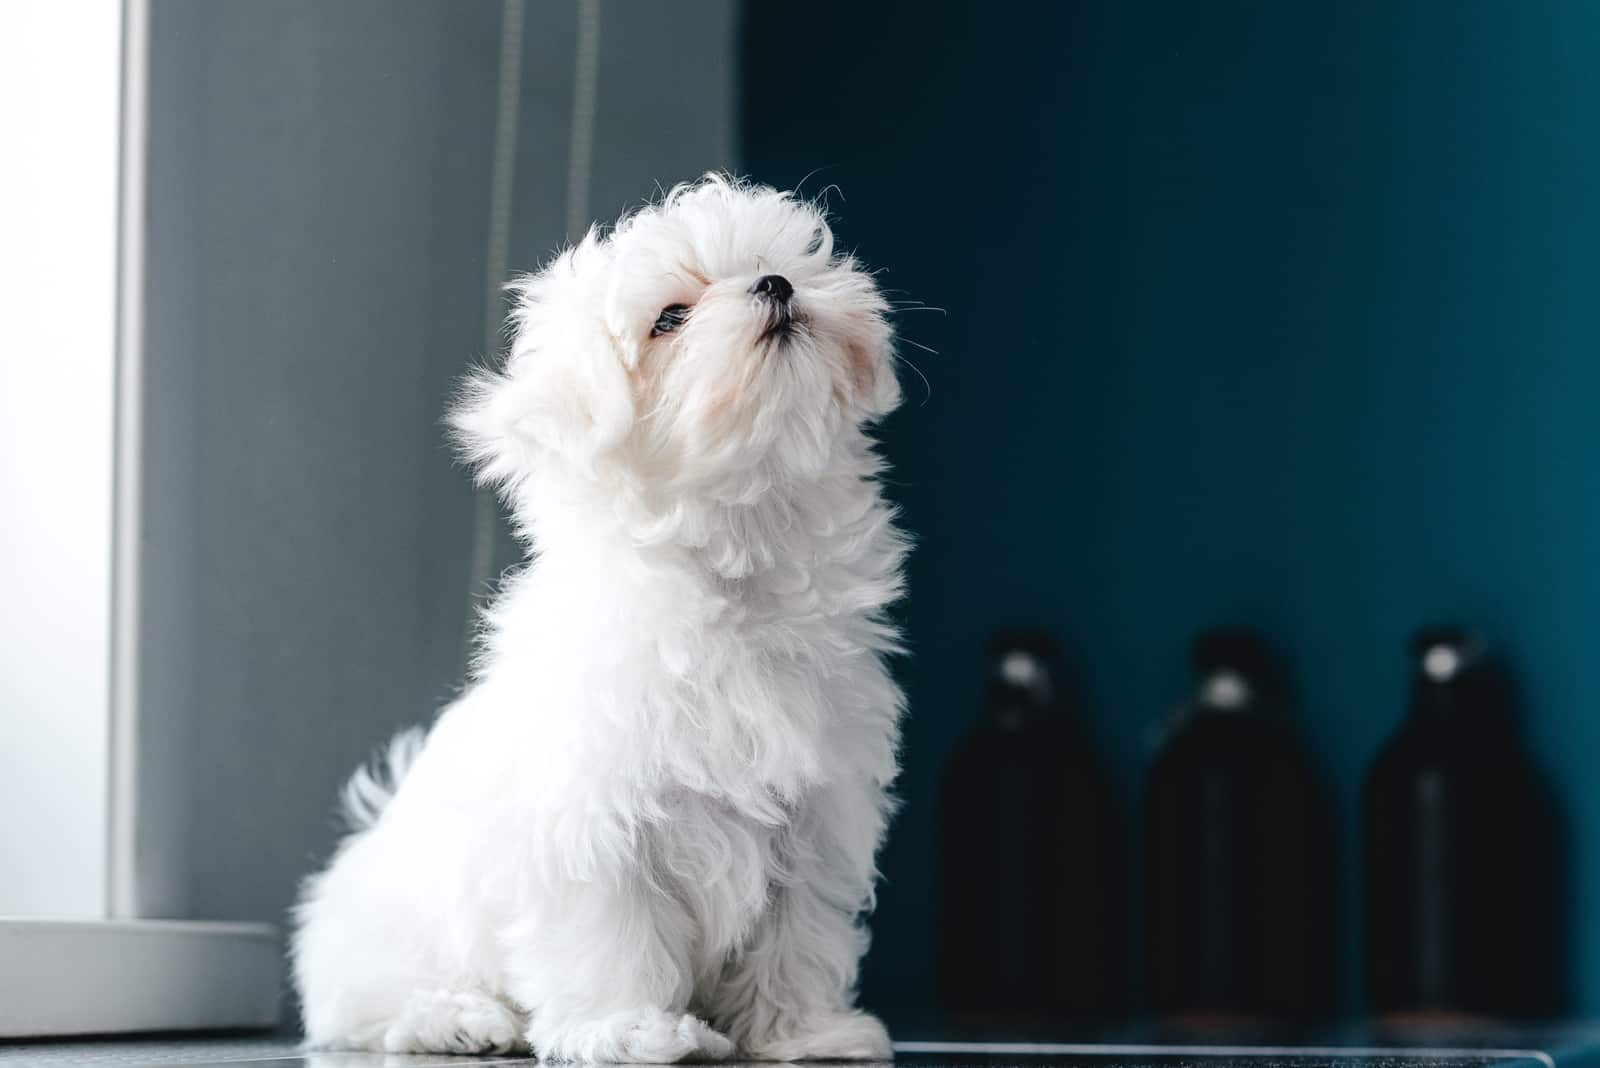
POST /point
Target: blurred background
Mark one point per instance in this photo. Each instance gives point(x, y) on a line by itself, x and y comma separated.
point(1276, 315)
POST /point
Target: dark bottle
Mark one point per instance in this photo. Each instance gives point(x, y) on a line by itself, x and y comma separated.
point(1463, 852)
point(1241, 851)
point(1029, 878)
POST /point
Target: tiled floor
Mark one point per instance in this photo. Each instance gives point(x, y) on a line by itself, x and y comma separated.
point(284, 1053)
point(195, 1053)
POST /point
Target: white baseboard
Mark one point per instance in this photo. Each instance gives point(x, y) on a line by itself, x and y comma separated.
point(76, 977)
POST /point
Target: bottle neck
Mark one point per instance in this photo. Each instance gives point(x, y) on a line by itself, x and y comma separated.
point(1465, 703)
point(1020, 690)
point(1454, 683)
point(1433, 701)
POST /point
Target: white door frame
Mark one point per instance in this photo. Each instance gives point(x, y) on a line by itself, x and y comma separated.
point(77, 955)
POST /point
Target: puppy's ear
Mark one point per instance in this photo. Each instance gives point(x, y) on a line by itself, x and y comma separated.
point(564, 394)
point(872, 371)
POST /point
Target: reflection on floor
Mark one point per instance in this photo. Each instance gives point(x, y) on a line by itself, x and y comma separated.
point(284, 1053)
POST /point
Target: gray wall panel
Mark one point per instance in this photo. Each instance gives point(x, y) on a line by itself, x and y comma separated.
point(318, 223)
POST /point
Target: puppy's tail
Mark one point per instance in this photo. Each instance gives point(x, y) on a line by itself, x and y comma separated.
point(372, 787)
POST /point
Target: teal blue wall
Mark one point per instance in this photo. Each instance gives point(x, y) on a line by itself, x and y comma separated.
point(1277, 313)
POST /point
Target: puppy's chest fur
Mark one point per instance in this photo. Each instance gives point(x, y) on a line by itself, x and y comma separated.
point(767, 678)
point(720, 867)
point(748, 715)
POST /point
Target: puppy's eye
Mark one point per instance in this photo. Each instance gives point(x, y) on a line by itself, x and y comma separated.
point(672, 317)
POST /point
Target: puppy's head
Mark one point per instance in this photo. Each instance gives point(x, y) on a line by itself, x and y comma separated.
point(711, 339)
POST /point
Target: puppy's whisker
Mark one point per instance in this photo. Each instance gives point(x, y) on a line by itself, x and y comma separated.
point(927, 387)
point(801, 184)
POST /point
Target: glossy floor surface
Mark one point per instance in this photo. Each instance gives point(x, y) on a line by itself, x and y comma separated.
point(281, 1053)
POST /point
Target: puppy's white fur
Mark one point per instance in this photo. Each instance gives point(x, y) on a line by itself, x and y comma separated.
point(646, 831)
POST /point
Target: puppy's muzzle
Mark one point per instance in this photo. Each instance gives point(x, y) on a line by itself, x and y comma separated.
point(774, 288)
point(776, 292)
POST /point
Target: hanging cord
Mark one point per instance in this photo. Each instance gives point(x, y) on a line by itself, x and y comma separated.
point(580, 161)
point(585, 91)
point(502, 184)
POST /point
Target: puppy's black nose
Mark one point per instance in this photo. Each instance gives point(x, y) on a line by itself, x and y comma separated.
point(775, 287)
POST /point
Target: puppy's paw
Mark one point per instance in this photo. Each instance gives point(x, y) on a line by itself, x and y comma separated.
point(454, 1021)
point(648, 1036)
point(844, 1036)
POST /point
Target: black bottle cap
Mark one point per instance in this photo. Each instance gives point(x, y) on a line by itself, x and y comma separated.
point(1024, 661)
point(1444, 652)
point(1035, 640)
point(1231, 648)
point(1459, 679)
point(1234, 670)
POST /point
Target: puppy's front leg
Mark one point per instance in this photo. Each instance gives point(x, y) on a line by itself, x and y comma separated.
point(789, 994)
point(601, 964)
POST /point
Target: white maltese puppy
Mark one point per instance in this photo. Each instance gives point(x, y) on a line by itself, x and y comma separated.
point(646, 831)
